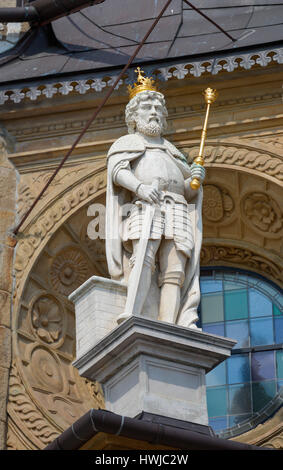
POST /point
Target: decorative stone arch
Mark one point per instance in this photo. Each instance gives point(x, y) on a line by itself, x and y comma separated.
point(233, 254)
point(246, 156)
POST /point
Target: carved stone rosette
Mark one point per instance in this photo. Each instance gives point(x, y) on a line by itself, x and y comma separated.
point(218, 205)
point(263, 214)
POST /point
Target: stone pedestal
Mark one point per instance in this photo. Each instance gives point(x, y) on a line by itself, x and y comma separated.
point(155, 367)
point(98, 303)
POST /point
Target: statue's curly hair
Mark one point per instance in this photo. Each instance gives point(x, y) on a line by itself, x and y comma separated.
point(132, 106)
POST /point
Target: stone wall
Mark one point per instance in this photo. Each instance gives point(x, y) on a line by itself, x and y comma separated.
point(9, 35)
point(7, 220)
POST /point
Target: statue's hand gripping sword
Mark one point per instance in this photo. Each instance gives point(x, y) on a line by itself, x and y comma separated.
point(210, 96)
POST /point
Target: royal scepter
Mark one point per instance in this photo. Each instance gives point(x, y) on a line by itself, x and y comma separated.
point(210, 96)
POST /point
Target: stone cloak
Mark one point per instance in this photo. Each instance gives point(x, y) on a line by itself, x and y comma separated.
point(128, 148)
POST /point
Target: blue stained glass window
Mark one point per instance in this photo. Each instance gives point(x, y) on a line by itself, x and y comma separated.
point(259, 304)
point(212, 308)
point(261, 331)
point(217, 401)
point(214, 328)
point(236, 304)
point(239, 330)
point(279, 364)
point(278, 327)
point(218, 423)
point(237, 419)
point(217, 376)
point(263, 365)
point(246, 308)
point(276, 311)
point(228, 285)
point(210, 286)
point(238, 368)
point(262, 393)
point(240, 399)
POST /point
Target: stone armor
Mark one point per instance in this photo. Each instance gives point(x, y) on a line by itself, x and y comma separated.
point(174, 240)
point(172, 215)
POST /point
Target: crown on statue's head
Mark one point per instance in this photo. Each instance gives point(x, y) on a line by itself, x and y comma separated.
point(142, 84)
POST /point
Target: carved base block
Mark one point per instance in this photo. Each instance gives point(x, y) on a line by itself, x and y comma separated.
point(155, 367)
point(98, 303)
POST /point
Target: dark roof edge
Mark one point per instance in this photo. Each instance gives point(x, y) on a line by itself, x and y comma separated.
point(24, 42)
point(95, 421)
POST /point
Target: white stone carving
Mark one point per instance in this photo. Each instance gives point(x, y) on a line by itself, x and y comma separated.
point(156, 249)
point(66, 88)
point(49, 91)
point(98, 84)
point(17, 96)
point(32, 94)
point(82, 87)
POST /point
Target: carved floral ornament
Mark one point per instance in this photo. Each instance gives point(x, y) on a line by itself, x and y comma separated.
point(262, 213)
point(69, 270)
point(47, 317)
point(218, 205)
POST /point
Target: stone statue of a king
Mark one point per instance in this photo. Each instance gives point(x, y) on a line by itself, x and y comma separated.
point(153, 217)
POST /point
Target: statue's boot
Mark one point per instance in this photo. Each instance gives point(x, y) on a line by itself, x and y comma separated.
point(172, 275)
point(169, 302)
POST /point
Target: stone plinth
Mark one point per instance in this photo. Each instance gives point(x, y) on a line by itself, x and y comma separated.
point(155, 367)
point(98, 303)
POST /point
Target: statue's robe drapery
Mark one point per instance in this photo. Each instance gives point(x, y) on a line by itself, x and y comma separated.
point(127, 149)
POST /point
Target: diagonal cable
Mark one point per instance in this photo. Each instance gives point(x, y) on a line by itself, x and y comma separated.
point(210, 20)
point(94, 115)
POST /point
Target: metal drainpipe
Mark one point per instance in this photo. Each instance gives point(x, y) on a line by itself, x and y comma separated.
point(96, 421)
point(41, 12)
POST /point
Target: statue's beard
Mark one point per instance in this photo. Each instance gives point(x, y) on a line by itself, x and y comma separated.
point(151, 129)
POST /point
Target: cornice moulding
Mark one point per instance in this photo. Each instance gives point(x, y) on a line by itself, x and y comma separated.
point(37, 130)
point(48, 88)
point(40, 159)
point(30, 161)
